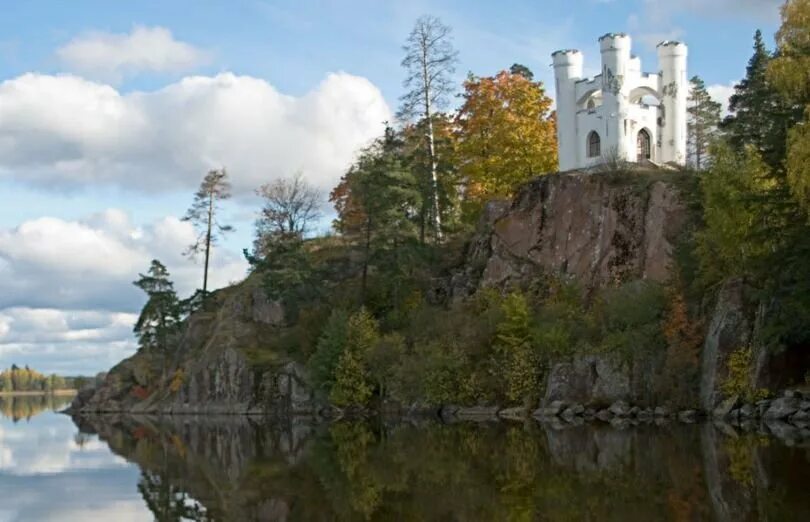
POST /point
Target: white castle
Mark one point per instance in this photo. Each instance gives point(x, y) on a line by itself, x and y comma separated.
point(622, 113)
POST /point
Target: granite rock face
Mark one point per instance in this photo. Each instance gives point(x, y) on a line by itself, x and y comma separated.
point(210, 370)
point(730, 329)
point(590, 379)
point(583, 226)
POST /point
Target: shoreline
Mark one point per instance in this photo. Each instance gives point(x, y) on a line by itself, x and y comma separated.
point(59, 393)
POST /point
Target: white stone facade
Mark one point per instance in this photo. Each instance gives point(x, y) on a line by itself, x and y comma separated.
point(622, 113)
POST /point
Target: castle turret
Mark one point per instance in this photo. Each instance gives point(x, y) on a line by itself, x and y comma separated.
point(616, 58)
point(567, 70)
point(674, 93)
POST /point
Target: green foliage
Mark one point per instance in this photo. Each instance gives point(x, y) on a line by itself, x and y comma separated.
point(204, 215)
point(289, 272)
point(629, 319)
point(513, 342)
point(759, 116)
point(331, 343)
point(160, 317)
point(353, 384)
point(704, 118)
point(740, 367)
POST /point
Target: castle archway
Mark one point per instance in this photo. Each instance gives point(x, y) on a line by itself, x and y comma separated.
point(643, 146)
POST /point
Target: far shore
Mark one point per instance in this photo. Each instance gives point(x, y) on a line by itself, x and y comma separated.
point(62, 393)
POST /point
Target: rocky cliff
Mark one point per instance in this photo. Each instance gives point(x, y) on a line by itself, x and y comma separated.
point(214, 368)
point(596, 228)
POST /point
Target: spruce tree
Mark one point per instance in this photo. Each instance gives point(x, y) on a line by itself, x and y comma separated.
point(704, 117)
point(758, 115)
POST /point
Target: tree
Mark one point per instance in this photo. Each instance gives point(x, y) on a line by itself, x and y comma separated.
point(376, 201)
point(290, 206)
point(416, 158)
point(513, 341)
point(758, 115)
point(430, 61)
point(506, 134)
point(353, 385)
point(6, 383)
point(522, 70)
point(160, 316)
point(203, 213)
point(790, 68)
point(331, 343)
point(790, 73)
point(704, 117)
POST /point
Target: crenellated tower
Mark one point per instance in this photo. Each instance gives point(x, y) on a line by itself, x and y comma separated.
point(621, 113)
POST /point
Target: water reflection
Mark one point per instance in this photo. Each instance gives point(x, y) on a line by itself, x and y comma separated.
point(237, 469)
point(49, 471)
point(19, 407)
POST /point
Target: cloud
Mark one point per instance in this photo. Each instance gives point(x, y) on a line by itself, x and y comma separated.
point(721, 93)
point(67, 303)
point(65, 132)
point(113, 56)
point(89, 264)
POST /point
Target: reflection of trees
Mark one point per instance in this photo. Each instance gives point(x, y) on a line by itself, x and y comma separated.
point(166, 501)
point(241, 470)
point(18, 407)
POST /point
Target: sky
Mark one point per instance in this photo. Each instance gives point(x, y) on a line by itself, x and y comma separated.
point(112, 112)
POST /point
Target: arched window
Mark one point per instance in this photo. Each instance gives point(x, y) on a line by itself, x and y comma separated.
point(594, 145)
point(591, 104)
point(643, 148)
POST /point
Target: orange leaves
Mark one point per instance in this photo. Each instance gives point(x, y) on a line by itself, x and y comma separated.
point(506, 134)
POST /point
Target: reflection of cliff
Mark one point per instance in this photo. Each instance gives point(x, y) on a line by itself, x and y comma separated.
point(18, 407)
point(234, 469)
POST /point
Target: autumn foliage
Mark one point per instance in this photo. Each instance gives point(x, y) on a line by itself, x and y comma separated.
point(506, 134)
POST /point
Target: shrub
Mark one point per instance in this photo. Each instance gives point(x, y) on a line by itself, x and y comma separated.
point(323, 363)
point(738, 381)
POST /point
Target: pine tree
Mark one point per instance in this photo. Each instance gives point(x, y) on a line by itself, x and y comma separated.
point(160, 317)
point(376, 201)
point(203, 213)
point(704, 118)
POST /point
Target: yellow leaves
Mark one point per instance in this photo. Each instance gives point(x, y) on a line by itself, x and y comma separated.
point(790, 68)
point(506, 134)
point(177, 380)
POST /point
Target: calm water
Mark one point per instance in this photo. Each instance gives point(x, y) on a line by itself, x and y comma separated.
point(125, 468)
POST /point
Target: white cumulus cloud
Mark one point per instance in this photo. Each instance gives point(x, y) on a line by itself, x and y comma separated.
point(67, 303)
point(68, 132)
point(721, 93)
point(89, 264)
point(113, 56)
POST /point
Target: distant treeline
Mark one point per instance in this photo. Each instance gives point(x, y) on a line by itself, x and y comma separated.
point(17, 379)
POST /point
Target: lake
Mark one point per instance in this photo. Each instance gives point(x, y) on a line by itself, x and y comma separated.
point(234, 468)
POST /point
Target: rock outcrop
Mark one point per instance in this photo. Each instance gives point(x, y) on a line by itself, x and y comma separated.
point(587, 226)
point(224, 362)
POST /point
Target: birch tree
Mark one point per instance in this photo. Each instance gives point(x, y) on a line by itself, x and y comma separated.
point(430, 61)
point(203, 213)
